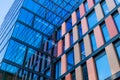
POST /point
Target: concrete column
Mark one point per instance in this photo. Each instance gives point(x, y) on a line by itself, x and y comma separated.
point(63, 64)
point(99, 12)
point(67, 41)
point(68, 77)
point(112, 58)
point(90, 3)
point(63, 27)
point(111, 26)
point(82, 9)
point(59, 48)
point(110, 3)
point(74, 18)
point(78, 73)
point(98, 36)
point(75, 34)
point(88, 49)
point(91, 69)
point(84, 25)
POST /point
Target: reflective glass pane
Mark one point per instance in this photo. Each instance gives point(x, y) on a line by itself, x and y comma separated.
point(103, 67)
point(105, 7)
point(93, 41)
point(117, 1)
point(117, 47)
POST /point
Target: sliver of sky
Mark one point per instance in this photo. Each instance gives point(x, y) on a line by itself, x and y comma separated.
point(4, 8)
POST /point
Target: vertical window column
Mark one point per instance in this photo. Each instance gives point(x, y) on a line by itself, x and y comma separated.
point(82, 9)
point(74, 18)
point(90, 3)
point(59, 48)
point(105, 7)
point(63, 64)
point(63, 28)
point(75, 34)
point(111, 5)
point(67, 41)
point(84, 25)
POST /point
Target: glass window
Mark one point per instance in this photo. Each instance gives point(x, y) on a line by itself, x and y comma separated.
point(69, 24)
point(86, 6)
point(105, 7)
point(63, 47)
point(117, 1)
point(59, 34)
point(93, 41)
point(102, 66)
point(82, 50)
point(80, 30)
point(71, 38)
point(96, 1)
point(70, 60)
point(73, 75)
point(117, 47)
point(116, 17)
point(78, 14)
point(105, 32)
point(92, 19)
point(85, 72)
point(26, 17)
point(57, 69)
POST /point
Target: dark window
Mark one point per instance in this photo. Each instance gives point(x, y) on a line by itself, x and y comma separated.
point(57, 69)
point(102, 66)
point(105, 32)
point(69, 24)
point(116, 18)
point(93, 41)
point(71, 38)
point(92, 19)
point(59, 34)
point(82, 50)
point(78, 14)
point(85, 72)
point(117, 47)
point(80, 30)
point(105, 7)
point(73, 75)
point(70, 59)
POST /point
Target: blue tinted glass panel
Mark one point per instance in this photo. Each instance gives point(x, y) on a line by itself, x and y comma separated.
point(27, 35)
point(117, 19)
point(92, 19)
point(82, 50)
point(85, 72)
point(86, 6)
point(117, 47)
point(93, 41)
point(70, 60)
point(26, 17)
point(71, 38)
point(105, 32)
point(105, 8)
point(102, 65)
point(69, 24)
point(117, 1)
point(57, 69)
point(15, 52)
point(59, 34)
point(78, 14)
point(80, 30)
point(96, 1)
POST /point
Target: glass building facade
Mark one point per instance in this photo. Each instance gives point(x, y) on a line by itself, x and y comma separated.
point(61, 40)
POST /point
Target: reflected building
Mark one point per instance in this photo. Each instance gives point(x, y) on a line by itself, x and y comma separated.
point(61, 40)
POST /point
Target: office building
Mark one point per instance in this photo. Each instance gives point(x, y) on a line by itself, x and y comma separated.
point(61, 40)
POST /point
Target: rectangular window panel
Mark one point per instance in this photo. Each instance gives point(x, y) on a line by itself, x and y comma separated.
point(117, 47)
point(117, 1)
point(92, 19)
point(105, 7)
point(102, 66)
point(96, 1)
point(78, 14)
point(70, 60)
point(105, 32)
point(116, 18)
point(69, 24)
point(82, 50)
point(86, 6)
point(93, 41)
point(57, 69)
point(80, 30)
point(59, 34)
point(85, 72)
point(71, 38)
